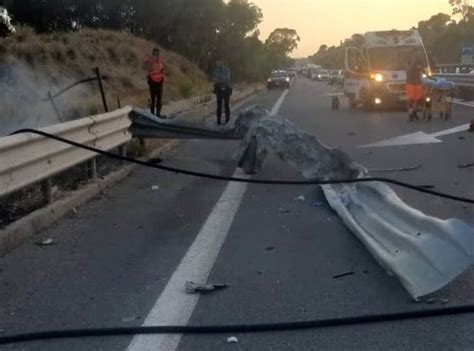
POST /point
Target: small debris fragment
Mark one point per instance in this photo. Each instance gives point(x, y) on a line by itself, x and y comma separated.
point(74, 211)
point(232, 340)
point(156, 160)
point(367, 153)
point(343, 275)
point(155, 187)
point(259, 272)
point(431, 300)
point(284, 210)
point(461, 138)
point(365, 272)
point(45, 242)
point(352, 133)
point(300, 198)
point(130, 319)
point(466, 165)
point(270, 248)
point(444, 301)
point(195, 288)
point(316, 204)
point(405, 169)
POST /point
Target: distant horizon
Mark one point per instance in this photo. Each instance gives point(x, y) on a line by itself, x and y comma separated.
point(339, 19)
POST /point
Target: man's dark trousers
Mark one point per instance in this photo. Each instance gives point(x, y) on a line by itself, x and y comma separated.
point(223, 97)
point(156, 94)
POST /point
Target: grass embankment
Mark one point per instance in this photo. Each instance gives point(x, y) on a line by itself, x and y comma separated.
point(61, 58)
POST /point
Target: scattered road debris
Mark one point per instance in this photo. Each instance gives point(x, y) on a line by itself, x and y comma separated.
point(367, 153)
point(300, 198)
point(343, 275)
point(316, 204)
point(466, 165)
point(406, 169)
point(431, 300)
point(284, 210)
point(45, 242)
point(195, 288)
point(232, 340)
point(352, 133)
point(270, 248)
point(155, 187)
point(130, 319)
point(444, 301)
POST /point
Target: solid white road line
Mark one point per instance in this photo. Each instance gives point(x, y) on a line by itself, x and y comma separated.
point(174, 306)
point(278, 104)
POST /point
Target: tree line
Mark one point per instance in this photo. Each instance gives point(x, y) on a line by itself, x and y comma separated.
point(202, 30)
point(443, 35)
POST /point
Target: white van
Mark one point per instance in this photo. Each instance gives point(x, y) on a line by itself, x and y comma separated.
point(375, 71)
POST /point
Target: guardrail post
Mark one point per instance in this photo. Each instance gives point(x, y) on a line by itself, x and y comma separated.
point(47, 190)
point(55, 107)
point(92, 168)
point(101, 87)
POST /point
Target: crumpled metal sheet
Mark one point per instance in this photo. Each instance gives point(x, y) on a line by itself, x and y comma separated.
point(282, 138)
point(423, 252)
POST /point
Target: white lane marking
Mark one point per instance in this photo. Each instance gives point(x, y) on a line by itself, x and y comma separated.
point(278, 104)
point(463, 128)
point(418, 138)
point(410, 139)
point(334, 94)
point(174, 306)
point(463, 103)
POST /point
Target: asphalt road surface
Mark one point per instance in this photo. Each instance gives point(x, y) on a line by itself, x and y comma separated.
point(123, 259)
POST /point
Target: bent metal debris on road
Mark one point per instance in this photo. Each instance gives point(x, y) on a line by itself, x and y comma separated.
point(373, 211)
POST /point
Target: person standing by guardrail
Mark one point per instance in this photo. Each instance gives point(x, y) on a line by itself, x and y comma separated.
point(414, 87)
point(156, 78)
point(222, 90)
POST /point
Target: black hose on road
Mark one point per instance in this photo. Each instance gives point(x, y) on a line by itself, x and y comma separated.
point(243, 328)
point(420, 189)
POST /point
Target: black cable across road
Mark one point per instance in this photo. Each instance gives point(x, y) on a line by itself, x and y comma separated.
point(242, 328)
point(244, 180)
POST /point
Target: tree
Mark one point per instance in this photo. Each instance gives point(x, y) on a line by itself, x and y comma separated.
point(283, 41)
point(322, 48)
point(462, 8)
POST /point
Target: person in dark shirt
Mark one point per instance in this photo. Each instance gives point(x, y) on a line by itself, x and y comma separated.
point(414, 73)
point(222, 90)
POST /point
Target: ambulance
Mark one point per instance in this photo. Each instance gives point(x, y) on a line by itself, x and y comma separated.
point(375, 67)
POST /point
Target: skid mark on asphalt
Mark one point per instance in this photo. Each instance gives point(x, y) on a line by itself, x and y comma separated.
point(174, 306)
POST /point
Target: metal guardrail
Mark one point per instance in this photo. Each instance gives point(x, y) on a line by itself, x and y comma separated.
point(29, 159)
point(461, 80)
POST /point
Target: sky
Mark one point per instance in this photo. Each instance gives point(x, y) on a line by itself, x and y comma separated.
point(329, 21)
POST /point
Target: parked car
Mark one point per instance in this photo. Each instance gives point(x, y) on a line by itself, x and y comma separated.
point(279, 79)
point(336, 77)
point(292, 73)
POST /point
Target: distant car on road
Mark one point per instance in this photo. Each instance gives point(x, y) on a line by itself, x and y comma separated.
point(336, 77)
point(279, 79)
point(319, 74)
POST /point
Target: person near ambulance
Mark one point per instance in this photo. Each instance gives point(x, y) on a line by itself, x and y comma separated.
point(415, 71)
point(222, 90)
point(156, 78)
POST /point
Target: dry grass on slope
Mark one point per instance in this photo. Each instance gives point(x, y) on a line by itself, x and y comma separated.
point(52, 61)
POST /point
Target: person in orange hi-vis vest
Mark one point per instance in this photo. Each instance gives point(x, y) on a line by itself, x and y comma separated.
point(156, 77)
point(414, 86)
